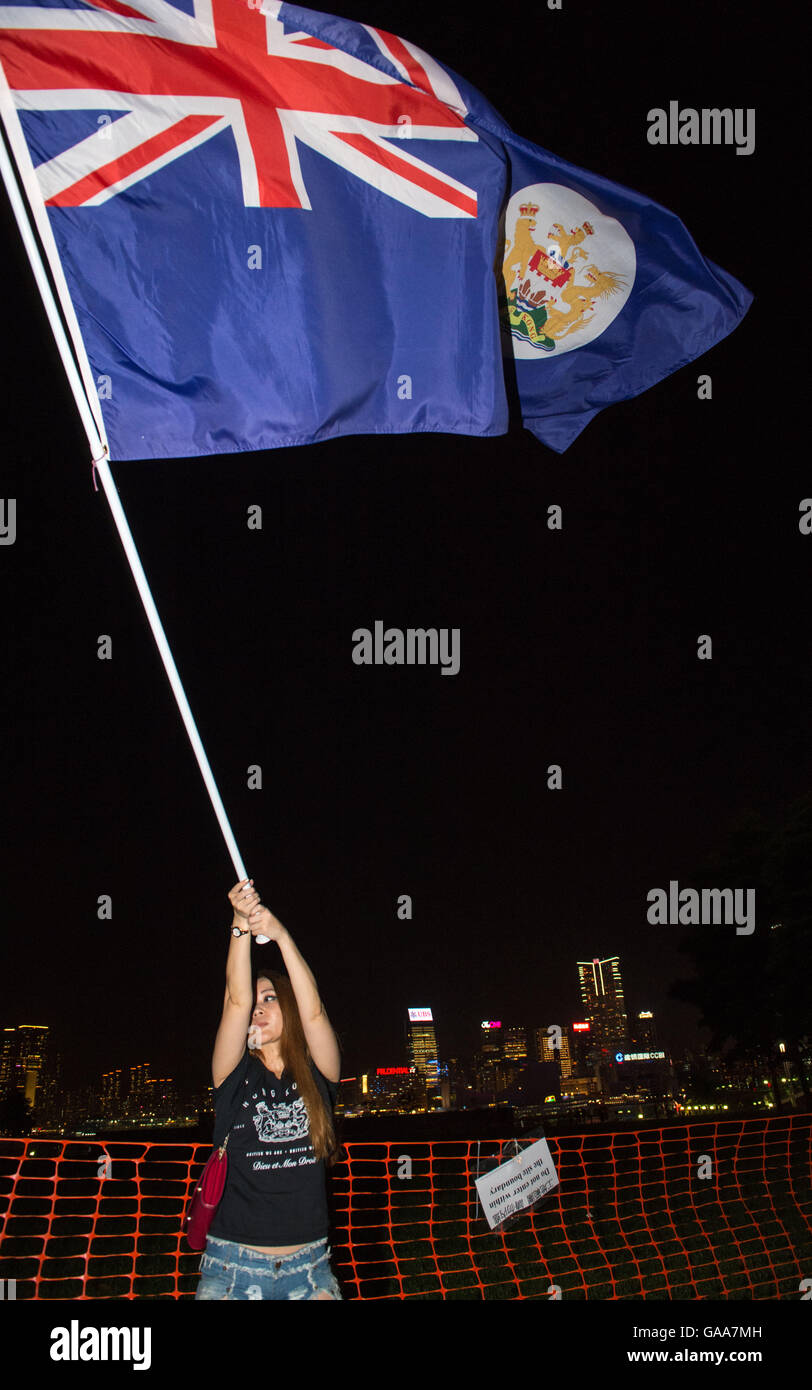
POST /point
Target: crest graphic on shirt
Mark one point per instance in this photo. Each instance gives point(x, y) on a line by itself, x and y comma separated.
point(281, 1122)
point(568, 270)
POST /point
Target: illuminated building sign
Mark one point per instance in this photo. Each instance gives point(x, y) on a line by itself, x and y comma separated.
point(639, 1056)
point(420, 1016)
point(580, 1027)
point(492, 1024)
point(394, 1071)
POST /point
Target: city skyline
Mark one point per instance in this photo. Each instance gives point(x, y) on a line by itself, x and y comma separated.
point(459, 1043)
point(588, 1078)
point(420, 1048)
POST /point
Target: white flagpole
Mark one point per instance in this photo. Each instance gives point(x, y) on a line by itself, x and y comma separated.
point(122, 525)
point(98, 450)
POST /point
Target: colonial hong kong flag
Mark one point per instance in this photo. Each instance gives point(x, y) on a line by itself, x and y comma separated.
point(270, 226)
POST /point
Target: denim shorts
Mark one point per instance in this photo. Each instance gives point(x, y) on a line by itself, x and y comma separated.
point(231, 1271)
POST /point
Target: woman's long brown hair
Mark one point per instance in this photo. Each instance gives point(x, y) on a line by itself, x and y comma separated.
point(296, 1057)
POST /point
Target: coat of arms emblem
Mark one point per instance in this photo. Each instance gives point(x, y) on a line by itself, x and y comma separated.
point(568, 270)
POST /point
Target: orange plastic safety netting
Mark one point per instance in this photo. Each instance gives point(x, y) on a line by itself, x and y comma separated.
point(713, 1210)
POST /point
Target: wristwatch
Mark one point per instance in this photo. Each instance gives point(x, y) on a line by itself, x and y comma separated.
point(235, 931)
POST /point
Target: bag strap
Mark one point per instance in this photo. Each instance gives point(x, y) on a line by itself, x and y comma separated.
point(235, 1113)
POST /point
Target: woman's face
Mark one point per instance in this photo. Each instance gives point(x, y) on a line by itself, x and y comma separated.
point(266, 1019)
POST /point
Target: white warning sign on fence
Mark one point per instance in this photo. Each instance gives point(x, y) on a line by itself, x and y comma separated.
point(518, 1183)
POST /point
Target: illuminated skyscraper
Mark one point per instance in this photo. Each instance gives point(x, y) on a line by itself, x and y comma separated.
point(33, 1053)
point(644, 1033)
point(491, 1045)
point(514, 1043)
point(546, 1051)
point(602, 996)
point(111, 1091)
point(23, 1059)
point(421, 1044)
point(159, 1094)
point(9, 1050)
point(139, 1080)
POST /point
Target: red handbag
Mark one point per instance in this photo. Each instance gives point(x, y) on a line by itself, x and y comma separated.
point(206, 1198)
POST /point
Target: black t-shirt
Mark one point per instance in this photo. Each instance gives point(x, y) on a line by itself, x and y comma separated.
point(275, 1192)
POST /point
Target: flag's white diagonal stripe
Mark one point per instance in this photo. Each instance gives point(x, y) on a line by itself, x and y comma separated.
point(380, 42)
point(109, 142)
point(329, 120)
point(430, 169)
point(73, 99)
point(161, 21)
point(364, 167)
point(379, 133)
point(282, 45)
point(441, 84)
point(148, 116)
point(183, 147)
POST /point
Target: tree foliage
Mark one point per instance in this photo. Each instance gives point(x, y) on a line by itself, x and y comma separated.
point(755, 990)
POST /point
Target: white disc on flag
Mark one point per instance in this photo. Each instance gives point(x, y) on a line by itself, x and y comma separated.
point(568, 271)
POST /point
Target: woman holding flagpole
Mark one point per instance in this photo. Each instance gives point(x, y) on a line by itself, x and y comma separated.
point(275, 1069)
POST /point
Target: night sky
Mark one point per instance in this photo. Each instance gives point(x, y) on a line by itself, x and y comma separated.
point(578, 647)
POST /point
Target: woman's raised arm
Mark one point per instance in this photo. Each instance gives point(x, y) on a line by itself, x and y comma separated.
point(317, 1028)
point(232, 1034)
point(243, 898)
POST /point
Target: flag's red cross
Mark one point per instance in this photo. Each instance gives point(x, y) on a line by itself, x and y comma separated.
point(239, 68)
